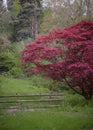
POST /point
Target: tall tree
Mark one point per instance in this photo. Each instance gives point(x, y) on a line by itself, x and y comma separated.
point(88, 7)
point(27, 21)
point(3, 6)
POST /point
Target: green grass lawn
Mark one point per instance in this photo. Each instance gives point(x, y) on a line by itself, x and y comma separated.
point(46, 120)
point(24, 86)
point(75, 113)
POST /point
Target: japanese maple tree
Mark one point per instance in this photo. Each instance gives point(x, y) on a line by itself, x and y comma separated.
point(65, 55)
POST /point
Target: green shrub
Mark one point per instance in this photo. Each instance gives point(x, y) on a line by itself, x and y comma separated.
point(16, 71)
point(6, 63)
point(4, 43)
point(10, 59)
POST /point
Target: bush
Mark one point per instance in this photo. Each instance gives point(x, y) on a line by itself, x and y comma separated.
point(4, 43)
point(16, 71)
point(6, 63)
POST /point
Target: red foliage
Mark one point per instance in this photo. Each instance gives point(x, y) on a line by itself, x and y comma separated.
point(64, 55)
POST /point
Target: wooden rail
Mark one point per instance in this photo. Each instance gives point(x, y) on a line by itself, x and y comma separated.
point(32, 95)
point(49, 98)
point(41, 100)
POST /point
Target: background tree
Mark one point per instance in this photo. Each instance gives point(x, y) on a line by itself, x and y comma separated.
point(3, 6)
point(65, 12)
point(24, 17)
point(27, 21)
point(64, 55)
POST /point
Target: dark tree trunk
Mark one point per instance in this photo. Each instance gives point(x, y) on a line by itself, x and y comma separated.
point(35, 21)
point(88, 7)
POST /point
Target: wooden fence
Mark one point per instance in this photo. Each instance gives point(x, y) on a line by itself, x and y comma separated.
point(52, 100)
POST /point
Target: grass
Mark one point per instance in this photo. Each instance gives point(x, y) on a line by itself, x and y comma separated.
point(46, 120)
point(24, 86)
point(75, 112)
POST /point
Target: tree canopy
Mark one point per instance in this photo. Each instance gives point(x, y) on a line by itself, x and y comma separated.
point(64, 55)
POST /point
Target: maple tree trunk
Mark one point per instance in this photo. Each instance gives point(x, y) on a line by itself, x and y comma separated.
point(84, 93)
point(87, 93)
point(87, 96)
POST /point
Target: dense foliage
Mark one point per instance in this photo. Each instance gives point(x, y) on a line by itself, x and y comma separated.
point(64, 55)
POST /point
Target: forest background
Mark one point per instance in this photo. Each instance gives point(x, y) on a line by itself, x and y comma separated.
point(22, 21)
